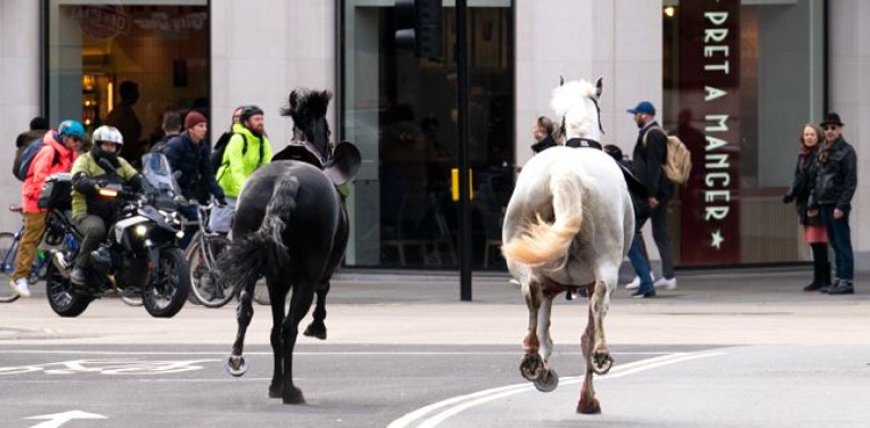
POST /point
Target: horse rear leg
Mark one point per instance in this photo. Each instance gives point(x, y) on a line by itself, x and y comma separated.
point(235, 364)
point(588, 404)
point(599, 304)
point(277, 297)
point(317, 328)
point(303, 294)
point(532, 366)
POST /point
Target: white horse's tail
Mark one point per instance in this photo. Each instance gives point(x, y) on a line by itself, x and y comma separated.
point(542, 242)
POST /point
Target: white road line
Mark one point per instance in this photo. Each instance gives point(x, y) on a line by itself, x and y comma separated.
point(326, 353)
point(461, 403)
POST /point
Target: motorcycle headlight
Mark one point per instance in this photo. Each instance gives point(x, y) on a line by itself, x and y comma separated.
point(179, 234)
point(140, 230)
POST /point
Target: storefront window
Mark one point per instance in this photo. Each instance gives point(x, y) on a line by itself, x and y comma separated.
point(741, 78)
point(401, 112)
point(125, 63)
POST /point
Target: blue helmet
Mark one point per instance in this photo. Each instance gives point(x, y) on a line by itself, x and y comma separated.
point(71, 128)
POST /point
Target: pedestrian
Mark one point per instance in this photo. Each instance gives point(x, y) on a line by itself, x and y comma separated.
point(189, 154)
point(649, 156)
point(836, 181)
point(804, 182)
point(542, 132)
point(56, 155)
point(125, 119)
point(38, 128)
point(171, 127)
point(247, 150)
point(636, 253)
point(90, 212)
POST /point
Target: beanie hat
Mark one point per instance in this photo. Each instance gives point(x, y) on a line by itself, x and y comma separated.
point(194, 118)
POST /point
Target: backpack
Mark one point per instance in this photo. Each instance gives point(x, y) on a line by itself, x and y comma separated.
point(217, 154)
point(21, 165)
point(161, 145)
point(678, 160)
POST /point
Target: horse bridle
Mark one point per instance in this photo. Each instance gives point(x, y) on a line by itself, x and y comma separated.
point(590, 141)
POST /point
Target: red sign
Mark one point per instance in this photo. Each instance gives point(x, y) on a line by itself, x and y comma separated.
point(709, 125)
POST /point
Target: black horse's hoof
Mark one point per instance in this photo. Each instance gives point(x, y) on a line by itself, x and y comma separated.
point(275, 391)
point(293, 396)
point(236, 365)
point(316, 330)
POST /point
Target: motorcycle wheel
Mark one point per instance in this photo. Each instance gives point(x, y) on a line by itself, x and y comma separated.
point(165, 296)
point(61, 297)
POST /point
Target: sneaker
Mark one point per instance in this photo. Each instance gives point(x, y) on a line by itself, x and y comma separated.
point(20, 287)
point(644, 294)
point(842, 287)
point(667, 284)
point(635, 283)
point(78, 276)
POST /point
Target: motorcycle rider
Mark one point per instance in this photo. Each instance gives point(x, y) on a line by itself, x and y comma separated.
point(90, 212)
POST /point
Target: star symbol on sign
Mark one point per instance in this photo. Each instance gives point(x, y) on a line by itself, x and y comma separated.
point(717, 239)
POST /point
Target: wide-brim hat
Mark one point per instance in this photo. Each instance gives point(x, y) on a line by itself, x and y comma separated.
point(832, 119)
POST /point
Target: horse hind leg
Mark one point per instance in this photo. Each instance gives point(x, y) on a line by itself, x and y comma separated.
point(548, 380)
point(599, 304)
point(300, 302)
point(588, 404)
point(317, 328)
point(532, 365)
point(235, 364)
point(277, 297)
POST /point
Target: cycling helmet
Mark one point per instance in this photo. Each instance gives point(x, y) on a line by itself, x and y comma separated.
point(248, 111)
point(108, 134)
point(71, 128)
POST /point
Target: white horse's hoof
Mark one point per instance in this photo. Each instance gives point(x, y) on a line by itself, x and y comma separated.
point(236, 365)
point(548, 381)
point(602, 364)
point(532, 367)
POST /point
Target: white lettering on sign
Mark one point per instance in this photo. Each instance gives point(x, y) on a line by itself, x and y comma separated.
point(718, 52)
point(161, 21)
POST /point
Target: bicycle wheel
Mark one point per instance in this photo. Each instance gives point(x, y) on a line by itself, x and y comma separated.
point(8, 253)
point(208, 289)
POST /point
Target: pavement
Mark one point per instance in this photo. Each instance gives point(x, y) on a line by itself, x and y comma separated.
point(722, 307)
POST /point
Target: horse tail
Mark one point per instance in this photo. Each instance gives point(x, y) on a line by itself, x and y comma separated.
point(263, 250)
point(541, 242)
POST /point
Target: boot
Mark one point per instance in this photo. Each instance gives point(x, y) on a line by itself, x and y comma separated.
point(842, 287)
point(818, 282)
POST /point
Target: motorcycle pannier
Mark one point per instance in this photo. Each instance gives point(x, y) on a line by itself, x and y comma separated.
point(56, 192)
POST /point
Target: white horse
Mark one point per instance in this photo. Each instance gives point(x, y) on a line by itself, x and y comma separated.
point(569, 223)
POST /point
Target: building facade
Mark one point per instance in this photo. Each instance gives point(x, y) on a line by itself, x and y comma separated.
point(736, 80)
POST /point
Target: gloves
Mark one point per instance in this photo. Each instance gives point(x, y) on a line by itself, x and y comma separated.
point(787, 198)
point(84, 184)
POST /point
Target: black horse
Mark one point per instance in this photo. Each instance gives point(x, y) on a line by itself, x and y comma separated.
point(291, 225)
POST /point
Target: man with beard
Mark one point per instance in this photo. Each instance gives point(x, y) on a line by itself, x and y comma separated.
point(247, 150)
point(650, 154)
point(89, 211)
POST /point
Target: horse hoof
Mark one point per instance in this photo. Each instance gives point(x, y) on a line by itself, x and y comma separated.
point(236, 365)
point(294, 397)
point(316, 330)
point(589, 407)
point(548, 381)
point(532, 367)
point(602, 363)
point(276, 392)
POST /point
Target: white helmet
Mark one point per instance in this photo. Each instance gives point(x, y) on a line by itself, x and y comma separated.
point(107, 134)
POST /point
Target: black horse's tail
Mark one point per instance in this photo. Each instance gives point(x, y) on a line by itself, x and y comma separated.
point(262, 251)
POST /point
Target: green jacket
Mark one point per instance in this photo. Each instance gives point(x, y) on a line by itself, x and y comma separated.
point(236, 167)
point(86, 163)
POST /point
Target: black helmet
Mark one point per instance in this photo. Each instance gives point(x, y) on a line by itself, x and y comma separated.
point(248, 111)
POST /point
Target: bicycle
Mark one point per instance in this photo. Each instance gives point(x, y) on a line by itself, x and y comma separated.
point(202, 255)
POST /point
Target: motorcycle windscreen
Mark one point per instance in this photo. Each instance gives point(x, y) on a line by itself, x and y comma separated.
point(155, 168)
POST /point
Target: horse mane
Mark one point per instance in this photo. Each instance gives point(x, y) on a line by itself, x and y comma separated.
point(571, 101)
point(308, 108)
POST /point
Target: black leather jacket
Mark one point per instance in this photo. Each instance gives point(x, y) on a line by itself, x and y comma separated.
point(805, 171)
point(836, 178)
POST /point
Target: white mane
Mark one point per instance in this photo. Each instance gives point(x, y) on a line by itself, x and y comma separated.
point(573, 102)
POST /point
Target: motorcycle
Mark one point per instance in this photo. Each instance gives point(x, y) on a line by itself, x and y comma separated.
point(140, 252)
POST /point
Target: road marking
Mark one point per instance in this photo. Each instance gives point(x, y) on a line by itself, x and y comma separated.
point(107, 367)
point(458, 404)
point(307, 353)
point(57, 419)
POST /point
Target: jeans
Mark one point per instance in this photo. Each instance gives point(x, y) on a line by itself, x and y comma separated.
point(640, 264)
point(840, 239)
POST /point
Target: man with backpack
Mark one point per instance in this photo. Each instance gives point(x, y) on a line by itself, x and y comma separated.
point(188, 153)
point(56, 154)
point(247, 150)
point(649, 159)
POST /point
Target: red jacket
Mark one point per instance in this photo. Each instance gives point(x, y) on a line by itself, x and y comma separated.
point(42, 166)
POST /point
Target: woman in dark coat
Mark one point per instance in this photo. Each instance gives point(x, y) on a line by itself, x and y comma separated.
point(800, 191)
